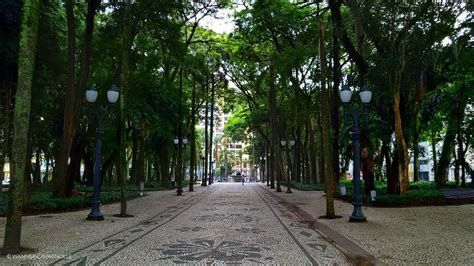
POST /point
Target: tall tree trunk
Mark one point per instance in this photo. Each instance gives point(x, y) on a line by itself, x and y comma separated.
point(325, 124)
point(460, 158)
point(26, 63)
point(310, 165)
point(456, 168)
point(165, 166)
point(313, 153)
point(336, 77)
point(141, 154)
point(403, 159)
point(192, 162)
point(206, 141)
point(211, 131)
point(74, 97)
point(60, 170)
point(179, 148)
point(275, 129)
point(74, 169)
point(297, 164)
point(434, 152)
point(122, 165)
point(449, 140)
point(271, 168)
point(135, 150)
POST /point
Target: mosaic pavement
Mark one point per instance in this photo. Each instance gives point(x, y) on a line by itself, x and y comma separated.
point(223, 224)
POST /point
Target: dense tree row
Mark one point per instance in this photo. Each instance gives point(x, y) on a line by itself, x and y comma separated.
point(288, 60)
point(291, 59)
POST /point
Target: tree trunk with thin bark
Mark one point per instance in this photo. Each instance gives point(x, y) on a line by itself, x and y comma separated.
point(192, 162)
point(141, 154)
point(74, 96)
point(165, 166)
point(122, 164)
point(403, 159)
point(26, 63)
point(326, 128)
point(275, 129)
point(206, 140)
point(62, 155)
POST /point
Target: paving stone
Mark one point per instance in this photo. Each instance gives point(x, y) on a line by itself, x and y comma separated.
point(221, 224)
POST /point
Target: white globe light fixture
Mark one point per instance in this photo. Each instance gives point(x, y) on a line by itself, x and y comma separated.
point(283, 142)
point(113, 94)
point(91, 94)
point(185, 140)
point(365, 95)
point(176, 140)
point(292, 142)
point(345, 94)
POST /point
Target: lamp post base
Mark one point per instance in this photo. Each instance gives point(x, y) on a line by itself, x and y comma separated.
point(95, 217)
point(288, 189)
point(357, 219)
point(357, 214)
point(95, 214)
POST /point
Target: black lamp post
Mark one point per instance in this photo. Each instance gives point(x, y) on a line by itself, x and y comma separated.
point(91, 96)
point(177, 141)
point(262, 169)
point(355, 113)
point(202, 166)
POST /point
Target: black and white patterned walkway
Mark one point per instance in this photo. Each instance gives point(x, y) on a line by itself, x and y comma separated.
point(221, 224)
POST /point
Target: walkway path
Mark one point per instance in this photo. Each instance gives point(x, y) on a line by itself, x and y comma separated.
point(222, 224)
point(251, 224)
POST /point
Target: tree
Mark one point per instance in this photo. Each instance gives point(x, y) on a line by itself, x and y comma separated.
point(26, 63)
point(74, 95)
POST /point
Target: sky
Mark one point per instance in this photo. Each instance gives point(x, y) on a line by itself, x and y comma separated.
point(222, 23)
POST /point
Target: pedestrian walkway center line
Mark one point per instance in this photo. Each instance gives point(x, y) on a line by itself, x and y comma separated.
point(310, 258)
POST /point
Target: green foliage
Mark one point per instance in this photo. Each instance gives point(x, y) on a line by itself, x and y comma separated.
point(411, 198)
point(41, 200)
point(419, 193)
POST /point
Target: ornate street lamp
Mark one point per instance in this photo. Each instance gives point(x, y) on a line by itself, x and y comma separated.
point(202, 166)
point(91, 97)
point(355, 113)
